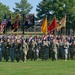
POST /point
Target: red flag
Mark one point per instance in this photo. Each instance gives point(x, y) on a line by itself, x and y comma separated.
point(52, 26)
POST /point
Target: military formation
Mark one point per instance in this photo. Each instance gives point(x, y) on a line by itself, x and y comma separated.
point(43, 47)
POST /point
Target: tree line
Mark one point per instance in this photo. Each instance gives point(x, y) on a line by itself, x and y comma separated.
point(50, 8)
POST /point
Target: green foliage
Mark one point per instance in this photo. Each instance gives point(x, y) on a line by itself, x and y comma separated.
point(57, 8)
point(23, 7)
point(3, 9)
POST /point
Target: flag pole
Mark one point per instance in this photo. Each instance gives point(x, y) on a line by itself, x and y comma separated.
point(55, 27)
point(65, 26)
point(64, 30)
point(46, 27)
point(34, 25)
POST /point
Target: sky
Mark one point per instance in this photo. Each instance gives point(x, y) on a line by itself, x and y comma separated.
point(11, 4)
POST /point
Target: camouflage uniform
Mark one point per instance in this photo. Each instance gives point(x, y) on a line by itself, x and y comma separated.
point(54, 50)
point(12, 51)
point(18, 50)
point(7, 50)
point(45, 50)
point(65, 47)
point(25, 50)
point(34, 46)
point(72, 50)
point(60, 49)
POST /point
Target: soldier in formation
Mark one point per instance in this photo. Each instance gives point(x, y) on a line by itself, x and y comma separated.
point(23, 49)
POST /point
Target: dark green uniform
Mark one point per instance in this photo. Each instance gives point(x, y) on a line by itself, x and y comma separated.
point(45, 50)
point(30, 52)
point(12, 51)
point(18, 51)
point(72, 51)
point(7, 50)
point(0, 50)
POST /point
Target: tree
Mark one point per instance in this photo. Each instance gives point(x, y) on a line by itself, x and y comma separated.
point(57, 8)
point(3, 9)
point(23, 7)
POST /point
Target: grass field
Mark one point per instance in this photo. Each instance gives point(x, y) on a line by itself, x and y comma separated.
point(38, 67)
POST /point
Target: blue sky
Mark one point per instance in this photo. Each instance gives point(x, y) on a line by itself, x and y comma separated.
point(11, 4)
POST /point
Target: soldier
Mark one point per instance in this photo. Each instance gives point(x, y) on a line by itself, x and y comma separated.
point(45, 49)
point(40, 44)
point(18, 50)
point(72, 50)
point(50, 48)
point(25, 50)
point(39, 48)
point(7, 49)
point(34, 46)
point(12, 50)
point(0, 50)
point(54, 50)
point(30, 52)
point(65, 47)
point(60, 49)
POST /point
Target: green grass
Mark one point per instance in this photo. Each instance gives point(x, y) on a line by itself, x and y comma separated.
point(38, 67)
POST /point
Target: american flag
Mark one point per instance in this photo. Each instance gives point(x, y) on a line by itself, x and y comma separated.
point(3, 24)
